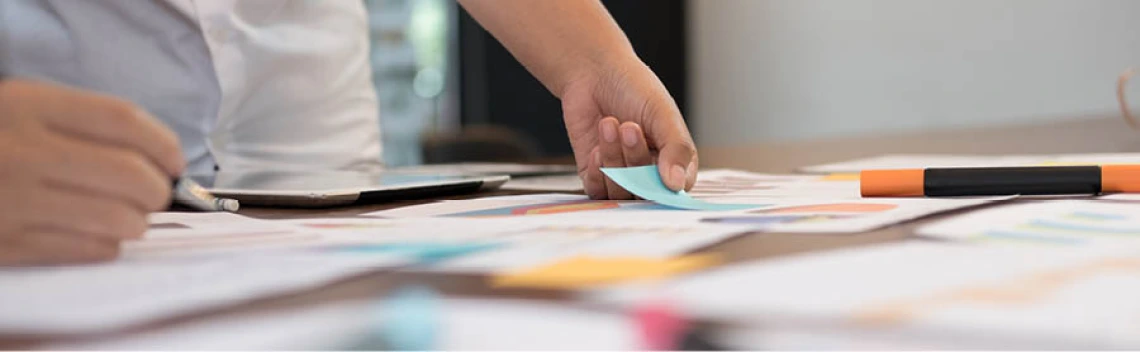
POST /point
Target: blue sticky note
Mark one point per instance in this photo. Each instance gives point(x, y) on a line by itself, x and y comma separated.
point(410, 319)
point(645, 182)
point(423, 251)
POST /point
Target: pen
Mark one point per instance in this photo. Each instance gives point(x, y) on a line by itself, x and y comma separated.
point(1000, 181)
point(190, 194)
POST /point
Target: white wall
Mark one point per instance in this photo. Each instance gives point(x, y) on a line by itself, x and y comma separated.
point(774, 70)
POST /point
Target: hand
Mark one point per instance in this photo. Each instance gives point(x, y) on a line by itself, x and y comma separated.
point(623, 116)
point(79, 172)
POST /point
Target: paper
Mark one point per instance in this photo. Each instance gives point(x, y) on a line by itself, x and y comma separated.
point(559, 183)
point(1127, 197)
point(946, 296)
point(502, 244)
point(466, 324)
point(1054, 223)
point(97, 298)
point(589, 272)
point(530, 243)
point(424, 252)
point(645, 182)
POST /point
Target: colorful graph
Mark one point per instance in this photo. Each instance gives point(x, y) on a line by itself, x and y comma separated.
point(855, 208)
point(1066, 229)
point(1013, 293)
point(560, 208)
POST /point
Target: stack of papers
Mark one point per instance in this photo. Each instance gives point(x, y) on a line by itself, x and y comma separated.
point(924, 295)
point(98, 298)
point(464, 324)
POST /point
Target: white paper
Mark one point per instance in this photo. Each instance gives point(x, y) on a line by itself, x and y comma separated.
point(1053, 223)
point(1126, 197)
point(93, 298)
point(535, 242)
point(466, 324)
point(177, 235)
point(559, 183)
point(954, 296)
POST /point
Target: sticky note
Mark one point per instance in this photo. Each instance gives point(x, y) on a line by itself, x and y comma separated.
point(410, 320)
point(841, 177)
point(588, 271)
point(422, 251)
point(645, 182)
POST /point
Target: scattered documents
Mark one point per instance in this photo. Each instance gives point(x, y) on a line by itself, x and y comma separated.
point(498, 245)
point(645, 182)
point(530, 243)
point(942, 295)
point(590, 272)
point(96, 298)
point(777, 214)
point(464, 324)
point(1054, 223)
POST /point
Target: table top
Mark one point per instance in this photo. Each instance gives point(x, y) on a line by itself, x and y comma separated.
point(1084, 135)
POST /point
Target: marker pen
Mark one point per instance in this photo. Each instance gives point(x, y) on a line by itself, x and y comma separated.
point(1000, 181)
point(190, 194)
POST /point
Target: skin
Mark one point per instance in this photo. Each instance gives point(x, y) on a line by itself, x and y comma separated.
point(80, 171)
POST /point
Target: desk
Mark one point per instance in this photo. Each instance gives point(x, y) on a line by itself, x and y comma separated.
point(1105, 134)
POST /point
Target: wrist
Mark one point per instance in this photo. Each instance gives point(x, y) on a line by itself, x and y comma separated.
point(594, 71)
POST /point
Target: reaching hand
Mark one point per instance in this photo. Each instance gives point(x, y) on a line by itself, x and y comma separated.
point(623, 116)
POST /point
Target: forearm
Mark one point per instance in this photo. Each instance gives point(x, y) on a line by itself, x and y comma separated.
point(558, 41)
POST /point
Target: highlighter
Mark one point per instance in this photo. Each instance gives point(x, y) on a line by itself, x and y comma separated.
point(1000, 181)
point(190, 194)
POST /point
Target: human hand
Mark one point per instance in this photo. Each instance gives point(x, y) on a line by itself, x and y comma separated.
point(79, 172)
point(621, 116)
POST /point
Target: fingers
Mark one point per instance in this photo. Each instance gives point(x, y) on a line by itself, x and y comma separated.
point(85, 214)
point(611, 151)
point(49, 247)
point(106, 120)
point(107, 171)
point(677, 154)
point(592, 178)
point(677, 163)
point(634, 148)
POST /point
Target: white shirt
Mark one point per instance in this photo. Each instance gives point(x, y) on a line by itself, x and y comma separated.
point(245, 84)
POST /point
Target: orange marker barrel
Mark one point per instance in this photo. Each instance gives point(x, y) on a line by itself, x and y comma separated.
point(1000, 181)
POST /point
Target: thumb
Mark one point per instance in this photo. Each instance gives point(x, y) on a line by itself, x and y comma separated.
point(677, 163)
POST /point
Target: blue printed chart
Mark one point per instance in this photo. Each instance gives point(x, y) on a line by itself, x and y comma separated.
point(1067, 223)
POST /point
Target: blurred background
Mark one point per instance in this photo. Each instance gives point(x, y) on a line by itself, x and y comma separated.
point(751, 71)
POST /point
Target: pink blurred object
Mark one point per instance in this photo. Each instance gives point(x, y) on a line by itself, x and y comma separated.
point(660, 325)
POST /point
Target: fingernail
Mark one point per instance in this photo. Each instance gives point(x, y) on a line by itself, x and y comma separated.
point(629, 137)
point(609, 131)
point(678, 176)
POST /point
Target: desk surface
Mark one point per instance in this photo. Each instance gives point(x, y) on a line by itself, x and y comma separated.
point(1076, 136)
